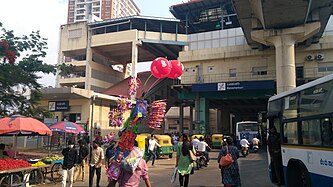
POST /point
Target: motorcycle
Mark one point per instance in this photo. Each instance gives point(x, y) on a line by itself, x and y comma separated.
point(201, 160)
point(255, 148)
point(245, 151)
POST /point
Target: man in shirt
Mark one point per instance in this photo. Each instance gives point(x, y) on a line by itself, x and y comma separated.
point(195, 142)
point(202, 148)
point(151, 147)
point(83, 154)
point(70, 159)
point(95, 163)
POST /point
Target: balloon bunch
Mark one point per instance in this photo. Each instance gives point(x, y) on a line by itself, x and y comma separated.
point(156, 114)
point(134, 85)
point(116, 114)
point(161, 68)
point(108, 138)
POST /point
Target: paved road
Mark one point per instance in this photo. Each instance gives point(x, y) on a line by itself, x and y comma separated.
point(253, 173)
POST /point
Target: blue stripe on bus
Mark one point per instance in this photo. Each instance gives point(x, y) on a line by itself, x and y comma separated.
point(316, 179)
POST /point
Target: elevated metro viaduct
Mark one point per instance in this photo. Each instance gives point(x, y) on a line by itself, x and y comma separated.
point(242, 52)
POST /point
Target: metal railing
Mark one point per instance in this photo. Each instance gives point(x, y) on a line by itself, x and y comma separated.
point(226, 77)
point(74, 75)
point(308, 74)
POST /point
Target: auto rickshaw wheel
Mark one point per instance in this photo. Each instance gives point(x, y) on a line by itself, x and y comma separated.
point(170, 155)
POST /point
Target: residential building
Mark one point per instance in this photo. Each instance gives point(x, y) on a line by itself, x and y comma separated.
point(98, 10)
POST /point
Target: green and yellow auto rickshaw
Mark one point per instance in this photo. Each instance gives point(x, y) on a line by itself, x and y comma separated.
point(166, 146)
point(217, 140)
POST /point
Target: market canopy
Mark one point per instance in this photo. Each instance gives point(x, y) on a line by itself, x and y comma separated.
point(67, 127)
point(21, 125)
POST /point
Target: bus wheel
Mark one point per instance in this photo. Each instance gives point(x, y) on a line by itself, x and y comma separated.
point(298, 175)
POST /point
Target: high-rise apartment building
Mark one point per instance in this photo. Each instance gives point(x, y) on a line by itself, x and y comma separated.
point(81, 10)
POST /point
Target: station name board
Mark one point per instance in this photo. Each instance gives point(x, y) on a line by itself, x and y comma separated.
point(240, 85)
point(57, 106)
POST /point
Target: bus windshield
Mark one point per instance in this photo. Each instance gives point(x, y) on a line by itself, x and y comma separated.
point(246, 127)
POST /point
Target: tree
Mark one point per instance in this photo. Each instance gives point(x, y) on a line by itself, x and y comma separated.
point(20, 61)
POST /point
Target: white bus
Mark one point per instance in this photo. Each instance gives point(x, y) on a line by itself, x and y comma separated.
point(303, 118)
point(248, 129)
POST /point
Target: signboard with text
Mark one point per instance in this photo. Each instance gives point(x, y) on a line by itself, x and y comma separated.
point(240, 85)
point(58, 106)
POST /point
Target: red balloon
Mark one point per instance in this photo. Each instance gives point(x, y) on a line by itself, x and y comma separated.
point(176, 69)
point(160, 67)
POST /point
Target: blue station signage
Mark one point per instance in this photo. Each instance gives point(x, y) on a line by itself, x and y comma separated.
point(240, 85)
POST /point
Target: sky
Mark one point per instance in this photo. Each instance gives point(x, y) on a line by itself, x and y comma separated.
point(24, 16)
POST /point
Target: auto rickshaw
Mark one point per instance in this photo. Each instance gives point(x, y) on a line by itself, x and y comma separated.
point(217, 140)
point(166, 145)
point(198, 136)
point(142, 140)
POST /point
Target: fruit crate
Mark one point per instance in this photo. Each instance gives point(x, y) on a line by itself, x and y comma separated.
point(53, 162)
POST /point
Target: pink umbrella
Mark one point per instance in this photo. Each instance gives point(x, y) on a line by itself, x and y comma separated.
point(67, 127)
point(20, 125)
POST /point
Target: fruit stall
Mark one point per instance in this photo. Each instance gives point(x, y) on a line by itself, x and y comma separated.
point(21, 169)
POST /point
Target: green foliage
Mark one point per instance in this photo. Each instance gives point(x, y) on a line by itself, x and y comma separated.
point(64, 69)
point(18, 77)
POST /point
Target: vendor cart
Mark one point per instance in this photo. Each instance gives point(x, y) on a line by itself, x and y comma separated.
point(53, 170)
point(22, 176)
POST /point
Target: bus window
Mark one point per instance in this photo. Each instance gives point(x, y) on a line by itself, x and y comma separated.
point(311, 132)
point(290, 133)
point(290, 106)
point(327, 132)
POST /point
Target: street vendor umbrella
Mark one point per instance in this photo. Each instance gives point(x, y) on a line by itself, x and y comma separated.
point(20, 125)
point(67, 127)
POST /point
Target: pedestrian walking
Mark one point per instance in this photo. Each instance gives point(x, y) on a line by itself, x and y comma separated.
point(82, 160)
point(151, 149)
point(230, 174)
point(96, 158)
point(183, 161)
point(68, 166)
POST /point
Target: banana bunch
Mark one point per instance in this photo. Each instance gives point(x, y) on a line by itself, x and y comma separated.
point(39, 163)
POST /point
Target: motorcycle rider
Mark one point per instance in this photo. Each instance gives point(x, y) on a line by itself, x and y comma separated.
point(202, 148)
point(255, 142)
point(245, 145)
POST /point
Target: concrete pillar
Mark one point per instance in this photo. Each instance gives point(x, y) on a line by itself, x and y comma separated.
point(284, 40)
point(225, 121)
point(181, 117)
point(134, 60)
point(204, 115)
point(190, 128)
point(197, 116)
point(88, 61)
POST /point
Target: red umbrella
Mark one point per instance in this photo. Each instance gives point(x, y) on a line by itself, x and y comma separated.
point(20, 125)
point(67, 127)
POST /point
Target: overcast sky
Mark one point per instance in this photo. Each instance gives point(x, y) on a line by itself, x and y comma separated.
point(24, 16)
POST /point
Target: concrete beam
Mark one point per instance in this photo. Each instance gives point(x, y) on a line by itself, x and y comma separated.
point(284, 42)
point(299, 33)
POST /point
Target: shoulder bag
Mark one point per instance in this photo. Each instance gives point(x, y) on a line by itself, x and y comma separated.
point(226, 160)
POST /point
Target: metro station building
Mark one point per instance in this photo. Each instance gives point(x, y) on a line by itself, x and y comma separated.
point(233, 61)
